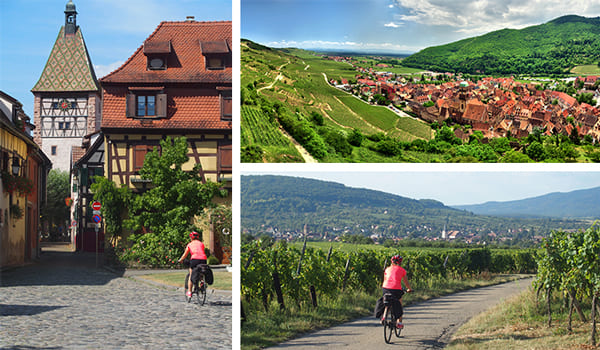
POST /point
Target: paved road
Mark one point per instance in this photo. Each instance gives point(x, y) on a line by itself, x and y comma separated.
point(428, 325)
point(65, 302)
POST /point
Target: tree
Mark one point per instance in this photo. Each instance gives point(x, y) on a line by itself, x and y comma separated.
point(355, 138)
point(114, 203)
point(56, 212)
point(162, 216)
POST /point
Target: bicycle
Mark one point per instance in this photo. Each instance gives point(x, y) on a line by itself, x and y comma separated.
point(199, 288)
point(389, 320)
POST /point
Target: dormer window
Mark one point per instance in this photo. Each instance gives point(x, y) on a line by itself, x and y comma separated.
point(217, 54)
point(157, 53)
point(146, 102)
point(156, 63)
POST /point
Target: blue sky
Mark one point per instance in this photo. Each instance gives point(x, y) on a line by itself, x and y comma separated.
point(393, 25)
point(453, 185)
point(112, 30)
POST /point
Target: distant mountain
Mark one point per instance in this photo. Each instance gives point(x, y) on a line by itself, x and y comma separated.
point(576, 204)
point(288, 203)
point(552, 47)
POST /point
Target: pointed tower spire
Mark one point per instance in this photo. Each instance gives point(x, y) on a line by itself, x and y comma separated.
point(70, 18)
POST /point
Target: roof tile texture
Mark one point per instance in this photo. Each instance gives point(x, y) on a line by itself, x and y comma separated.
point(69, 67)
point(185, 63)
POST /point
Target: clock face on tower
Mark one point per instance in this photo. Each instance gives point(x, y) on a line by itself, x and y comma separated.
point(64, 105)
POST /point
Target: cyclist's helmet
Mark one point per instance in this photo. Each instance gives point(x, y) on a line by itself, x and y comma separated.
point(396, 259)
point(194, 235)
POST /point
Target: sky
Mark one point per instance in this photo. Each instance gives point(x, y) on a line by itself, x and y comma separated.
point(400, 26)
point(112, 30)
point(453, 184)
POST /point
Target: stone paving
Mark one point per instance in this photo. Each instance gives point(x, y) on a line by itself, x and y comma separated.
point(64, 302)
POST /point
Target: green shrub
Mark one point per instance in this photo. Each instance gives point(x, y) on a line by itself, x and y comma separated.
point(212, 260)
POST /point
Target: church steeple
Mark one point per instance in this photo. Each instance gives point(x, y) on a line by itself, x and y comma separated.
point(70, 18)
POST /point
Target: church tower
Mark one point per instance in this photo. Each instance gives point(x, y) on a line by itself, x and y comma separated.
point(67, 96)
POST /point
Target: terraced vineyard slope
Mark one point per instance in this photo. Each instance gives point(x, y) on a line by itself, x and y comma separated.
point(290, 90)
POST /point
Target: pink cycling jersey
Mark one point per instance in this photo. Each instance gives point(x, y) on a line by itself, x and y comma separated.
point(392, 277)
point(197, 250)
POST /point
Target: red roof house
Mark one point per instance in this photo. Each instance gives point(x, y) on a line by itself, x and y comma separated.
point(178, 83)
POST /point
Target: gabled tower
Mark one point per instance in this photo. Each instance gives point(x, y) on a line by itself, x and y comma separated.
point(67, 95)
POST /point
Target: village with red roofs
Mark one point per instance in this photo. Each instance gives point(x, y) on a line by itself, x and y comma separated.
point(497, 107)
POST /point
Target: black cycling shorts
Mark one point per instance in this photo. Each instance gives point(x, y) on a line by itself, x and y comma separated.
point(196, 262)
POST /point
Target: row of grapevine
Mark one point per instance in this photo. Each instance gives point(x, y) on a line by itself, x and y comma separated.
point(332, 272)
point(258, 130)
point(570, 263)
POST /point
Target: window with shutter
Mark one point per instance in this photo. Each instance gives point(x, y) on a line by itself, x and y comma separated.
point(146, 105)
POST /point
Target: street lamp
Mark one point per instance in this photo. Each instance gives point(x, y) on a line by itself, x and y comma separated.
point(16, 167)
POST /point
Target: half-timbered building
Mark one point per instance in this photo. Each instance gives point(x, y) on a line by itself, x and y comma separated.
point(178, 83)
point(23, 171)
point(67, 95)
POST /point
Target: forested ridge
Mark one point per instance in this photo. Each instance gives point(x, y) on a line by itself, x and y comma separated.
point(550, 48)
point(575, 204)
point(288, 203)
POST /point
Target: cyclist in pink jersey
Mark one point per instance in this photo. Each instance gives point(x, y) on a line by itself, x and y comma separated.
point(393, 278)
point(196, 249)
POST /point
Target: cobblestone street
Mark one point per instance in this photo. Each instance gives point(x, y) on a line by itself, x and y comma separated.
point(65, 302)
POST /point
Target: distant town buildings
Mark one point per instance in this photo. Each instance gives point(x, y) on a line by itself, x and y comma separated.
point(497, 107)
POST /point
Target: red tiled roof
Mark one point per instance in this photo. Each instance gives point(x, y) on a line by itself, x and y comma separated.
point(187, 108)
point(186, 60)
point(475, 111)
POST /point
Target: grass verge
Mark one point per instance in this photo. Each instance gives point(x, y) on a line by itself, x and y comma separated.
point(176, 279)
point(262, 329)
point(522, 323)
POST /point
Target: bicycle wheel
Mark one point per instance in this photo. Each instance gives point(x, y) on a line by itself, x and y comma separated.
point(398, 331)
point(201, 293)
point(388, 324)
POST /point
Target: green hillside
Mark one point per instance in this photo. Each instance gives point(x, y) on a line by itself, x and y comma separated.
point(288, 89)
point(550, 48)
point(288, 203)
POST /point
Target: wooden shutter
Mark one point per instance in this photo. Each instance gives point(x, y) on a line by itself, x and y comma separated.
point(225, 157)
point(131, 105)
point(161, 105)
point(139, 154)
point(226, 106)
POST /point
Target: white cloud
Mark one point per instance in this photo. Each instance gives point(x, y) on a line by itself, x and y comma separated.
point(102, 70)
point(488, 15)
point(392, 25)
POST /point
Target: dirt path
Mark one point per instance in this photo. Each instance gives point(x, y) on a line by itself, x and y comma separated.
point(279, 77)
point(428, 325)
point(303, 152)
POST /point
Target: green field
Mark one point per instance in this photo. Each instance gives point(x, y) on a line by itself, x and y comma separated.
point(588, 69)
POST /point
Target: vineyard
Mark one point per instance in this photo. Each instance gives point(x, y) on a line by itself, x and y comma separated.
point(570, 266)
point(260, 130)
point(302, 277)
